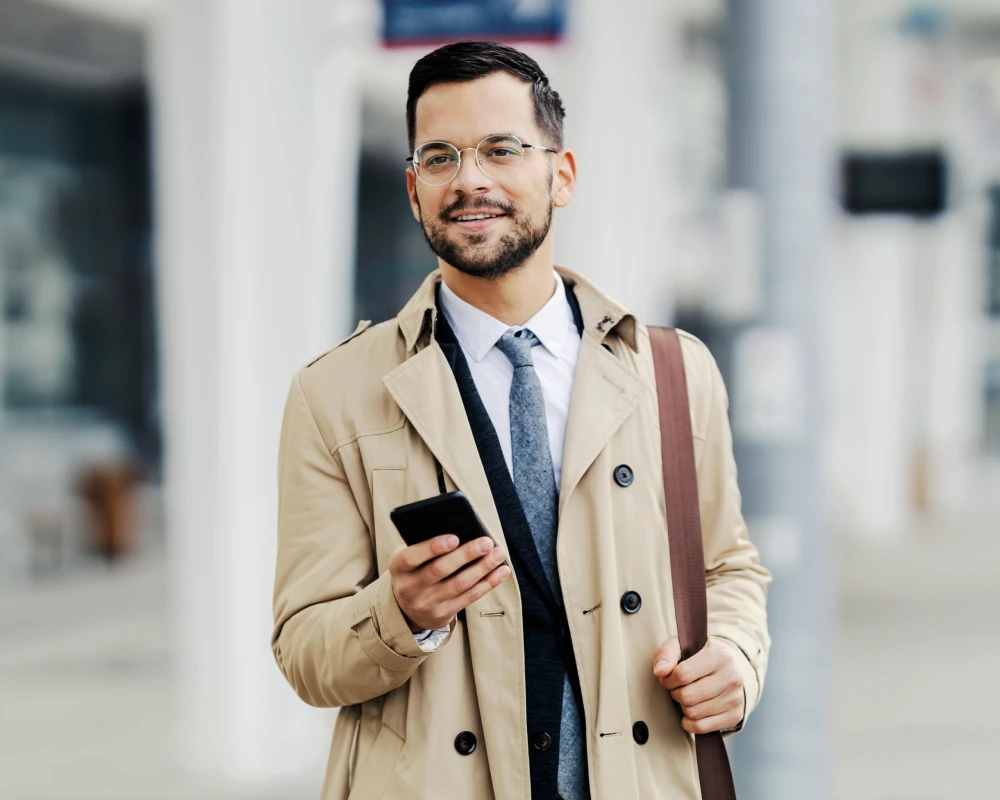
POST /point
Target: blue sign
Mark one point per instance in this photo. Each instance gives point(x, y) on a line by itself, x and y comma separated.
point(416, 22)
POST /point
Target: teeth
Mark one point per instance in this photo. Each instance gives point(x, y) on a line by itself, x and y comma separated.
point(469, 217)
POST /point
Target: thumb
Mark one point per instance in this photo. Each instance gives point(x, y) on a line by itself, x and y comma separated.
point(666, 657)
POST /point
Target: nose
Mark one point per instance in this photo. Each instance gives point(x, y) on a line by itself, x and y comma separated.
point(470, 178)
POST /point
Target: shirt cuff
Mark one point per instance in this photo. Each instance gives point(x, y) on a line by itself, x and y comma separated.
point(429, 641)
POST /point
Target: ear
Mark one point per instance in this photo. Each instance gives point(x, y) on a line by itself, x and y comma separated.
point(564, 179)
point(411, 189)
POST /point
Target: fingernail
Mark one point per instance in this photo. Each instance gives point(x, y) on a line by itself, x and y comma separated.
point(660, 665)
point(484, 545)
point(451, 542)
point(497, 556)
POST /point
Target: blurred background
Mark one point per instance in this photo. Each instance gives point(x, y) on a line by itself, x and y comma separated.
point(199, 196)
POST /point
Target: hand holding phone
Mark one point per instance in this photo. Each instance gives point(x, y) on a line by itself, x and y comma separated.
point(440, 574)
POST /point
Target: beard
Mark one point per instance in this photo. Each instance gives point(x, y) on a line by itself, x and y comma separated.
point(472, 257)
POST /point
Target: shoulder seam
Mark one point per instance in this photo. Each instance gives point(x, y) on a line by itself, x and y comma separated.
point(363, 325)
point(312, 416)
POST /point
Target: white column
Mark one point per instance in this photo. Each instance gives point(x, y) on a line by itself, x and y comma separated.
point(256, 139)
point(954, 367)
point(615, 78)
point(873, 326)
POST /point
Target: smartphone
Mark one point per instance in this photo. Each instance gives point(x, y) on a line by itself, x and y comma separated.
point(444, 513)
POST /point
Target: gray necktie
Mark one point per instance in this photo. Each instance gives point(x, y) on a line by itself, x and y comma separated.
point(535, 482)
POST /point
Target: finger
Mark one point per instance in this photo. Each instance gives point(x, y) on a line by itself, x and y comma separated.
point(466, 578)
point(720, 722)
point(413, 557)
point(729, 701)
point(444, 566)
point(483, 587)
point(706, 688)
point(706, 661)
point(666, 658)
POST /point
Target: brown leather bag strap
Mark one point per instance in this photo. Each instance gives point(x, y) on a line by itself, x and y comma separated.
point(687, 555)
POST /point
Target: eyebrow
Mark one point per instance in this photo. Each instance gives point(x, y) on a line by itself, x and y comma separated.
point(481, 138)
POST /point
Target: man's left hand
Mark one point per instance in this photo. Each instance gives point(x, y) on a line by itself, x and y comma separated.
point(707, 686)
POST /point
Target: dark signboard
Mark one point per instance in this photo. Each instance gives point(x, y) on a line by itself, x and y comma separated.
point(421, 22)
point(913, 183)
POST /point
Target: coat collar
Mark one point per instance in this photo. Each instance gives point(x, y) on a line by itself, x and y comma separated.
point(478, 332)
point(600, 313)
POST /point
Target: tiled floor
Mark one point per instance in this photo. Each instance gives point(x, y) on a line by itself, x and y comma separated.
point(917, 715)
point(86, 708)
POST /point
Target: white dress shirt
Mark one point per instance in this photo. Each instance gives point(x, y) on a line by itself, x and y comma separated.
point(555, 362)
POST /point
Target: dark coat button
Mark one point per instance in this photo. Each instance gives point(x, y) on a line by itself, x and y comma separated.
point(640, 732)
point(541, 741)
point(624, 475)
point(465, 743)
point(631, 602)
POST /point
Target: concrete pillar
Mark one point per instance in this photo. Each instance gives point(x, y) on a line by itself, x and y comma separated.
point(256, 141)
point(780, 147)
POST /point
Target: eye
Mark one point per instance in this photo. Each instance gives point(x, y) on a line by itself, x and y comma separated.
point(502, 152)
point(437, 161)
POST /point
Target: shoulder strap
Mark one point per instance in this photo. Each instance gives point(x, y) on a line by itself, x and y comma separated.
point(687, 558)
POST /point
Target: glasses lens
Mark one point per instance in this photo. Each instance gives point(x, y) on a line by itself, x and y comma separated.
point(498, 153)
point(436, 163)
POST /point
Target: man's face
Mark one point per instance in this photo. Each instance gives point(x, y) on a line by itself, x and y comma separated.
point(463, 114)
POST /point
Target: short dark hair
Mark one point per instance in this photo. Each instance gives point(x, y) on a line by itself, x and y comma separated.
point(468, 61)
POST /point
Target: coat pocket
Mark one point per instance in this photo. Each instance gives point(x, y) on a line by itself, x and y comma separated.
point(372, 778)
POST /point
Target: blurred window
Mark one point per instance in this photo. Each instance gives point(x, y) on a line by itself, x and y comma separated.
point(76, 321)
point(393, 256)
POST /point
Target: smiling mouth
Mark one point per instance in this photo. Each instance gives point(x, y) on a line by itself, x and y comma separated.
point(473, 217)
point(476, 222)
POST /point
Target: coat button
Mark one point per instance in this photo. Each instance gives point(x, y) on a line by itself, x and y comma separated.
point(465, 743)
point(640, 732)
point(624, 475)
point(541, 741)
point(631, 602)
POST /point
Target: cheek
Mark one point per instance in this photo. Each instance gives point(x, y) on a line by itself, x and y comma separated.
point(429, 206)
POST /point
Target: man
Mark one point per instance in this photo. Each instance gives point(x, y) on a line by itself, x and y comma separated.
point(540, 661)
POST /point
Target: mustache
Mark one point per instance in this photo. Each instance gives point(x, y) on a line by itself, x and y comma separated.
point(478, 205)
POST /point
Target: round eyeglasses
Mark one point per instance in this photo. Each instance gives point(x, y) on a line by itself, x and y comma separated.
point(437, 163)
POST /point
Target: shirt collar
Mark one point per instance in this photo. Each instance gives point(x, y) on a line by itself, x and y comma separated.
point(478, 331)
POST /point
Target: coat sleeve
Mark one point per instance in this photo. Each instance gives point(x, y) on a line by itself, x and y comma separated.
point(339, 636)
point(737, 583)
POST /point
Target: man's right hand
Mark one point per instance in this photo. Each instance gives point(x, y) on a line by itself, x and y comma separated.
point(434, 580)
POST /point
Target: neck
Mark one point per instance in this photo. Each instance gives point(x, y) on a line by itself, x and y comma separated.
point(513, 299)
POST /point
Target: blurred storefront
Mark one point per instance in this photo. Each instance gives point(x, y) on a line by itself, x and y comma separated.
point(79, 425)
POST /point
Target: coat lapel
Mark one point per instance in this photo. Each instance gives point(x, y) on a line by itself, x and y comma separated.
point(424, 388)
point(605, 392)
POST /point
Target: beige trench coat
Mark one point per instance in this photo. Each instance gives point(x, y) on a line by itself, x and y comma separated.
point(362, 428)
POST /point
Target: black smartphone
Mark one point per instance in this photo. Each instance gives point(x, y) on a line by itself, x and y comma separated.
point(444, 513)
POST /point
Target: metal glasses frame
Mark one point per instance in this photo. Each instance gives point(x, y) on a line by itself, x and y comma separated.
point(412, 160)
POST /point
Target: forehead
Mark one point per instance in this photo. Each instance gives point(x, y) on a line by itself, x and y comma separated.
point(463, 113)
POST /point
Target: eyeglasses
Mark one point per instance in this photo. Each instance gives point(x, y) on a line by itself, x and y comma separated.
point(437, 163)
